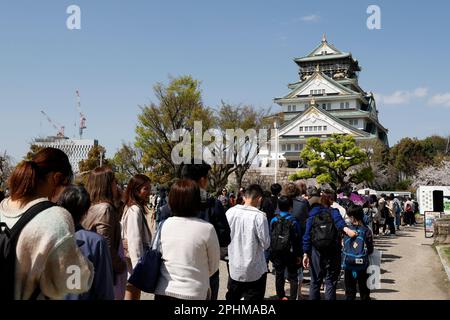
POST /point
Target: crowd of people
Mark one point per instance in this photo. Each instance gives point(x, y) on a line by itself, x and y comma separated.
point(104, 231)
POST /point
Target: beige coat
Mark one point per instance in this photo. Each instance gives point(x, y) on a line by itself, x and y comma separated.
point(136, 235)
point(103, 219)
point(48, 257)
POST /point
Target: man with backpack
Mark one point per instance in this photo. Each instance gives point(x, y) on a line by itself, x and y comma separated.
point(322, 245)
point(211, 210)
point(355, 256)
point(300, 207)
point(285, 248)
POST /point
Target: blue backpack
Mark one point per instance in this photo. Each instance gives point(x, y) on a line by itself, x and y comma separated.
point(354, 253)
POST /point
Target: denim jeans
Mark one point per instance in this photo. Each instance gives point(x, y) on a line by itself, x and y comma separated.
point(397, 219)
point(324, 267)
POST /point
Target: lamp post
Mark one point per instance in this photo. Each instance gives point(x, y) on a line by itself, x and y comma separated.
point(275, 124)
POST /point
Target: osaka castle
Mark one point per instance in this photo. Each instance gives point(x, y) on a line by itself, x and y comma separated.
point(326, 100)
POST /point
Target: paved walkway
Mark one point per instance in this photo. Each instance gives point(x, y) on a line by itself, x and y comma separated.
point(410, 270)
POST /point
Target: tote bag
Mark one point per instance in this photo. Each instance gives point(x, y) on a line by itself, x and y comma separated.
point(146, 272)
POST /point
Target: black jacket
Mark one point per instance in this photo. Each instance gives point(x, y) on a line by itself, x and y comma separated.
point(300, 211)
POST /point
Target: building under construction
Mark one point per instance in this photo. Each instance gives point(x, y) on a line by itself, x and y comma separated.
point(76, 149)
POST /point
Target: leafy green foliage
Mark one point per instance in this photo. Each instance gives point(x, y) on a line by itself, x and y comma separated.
point(96, 158)
point(6, 168)
point(179, 105)
point(33, 150)
point(334, 161)
point(127, 162)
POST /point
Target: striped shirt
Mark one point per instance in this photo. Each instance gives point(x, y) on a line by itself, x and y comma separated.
point(249, 238)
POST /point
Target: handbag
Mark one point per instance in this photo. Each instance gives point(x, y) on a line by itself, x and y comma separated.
point(146, 273)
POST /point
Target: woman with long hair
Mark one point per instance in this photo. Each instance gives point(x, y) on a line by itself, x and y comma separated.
point(46, 247)
point(136, 236)
point(103, 217)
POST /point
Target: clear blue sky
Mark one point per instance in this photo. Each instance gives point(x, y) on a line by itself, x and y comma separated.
point(241, 51)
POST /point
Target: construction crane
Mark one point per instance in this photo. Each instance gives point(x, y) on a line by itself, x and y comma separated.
point(82, 123)
point(59, 128)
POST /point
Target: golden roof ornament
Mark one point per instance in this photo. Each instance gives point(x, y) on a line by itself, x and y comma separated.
point(313, 102)
point(324, 38)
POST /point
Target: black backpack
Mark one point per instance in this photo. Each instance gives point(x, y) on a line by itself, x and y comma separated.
point(282, 237)
point(324, 234)
point(8, 243)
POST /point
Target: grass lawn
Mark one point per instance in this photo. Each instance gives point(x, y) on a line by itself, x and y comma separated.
point(446, 252)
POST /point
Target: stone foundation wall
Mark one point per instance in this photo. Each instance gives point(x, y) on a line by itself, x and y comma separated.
point(442, 231)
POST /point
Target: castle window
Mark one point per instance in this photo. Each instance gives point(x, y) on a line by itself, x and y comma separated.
point(347, 105)
point(288, 147)
point(324, 128)
point(289, 108)
point(301, 129)
point(342, 105)
point(283, 147)
point(329, 106)
point(294, 108)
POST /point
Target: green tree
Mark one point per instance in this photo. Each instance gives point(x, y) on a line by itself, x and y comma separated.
point(384, 175)
point(96, 158)
point(335, 161)
point(6, 169)
point(179, 105)
point(33, 150)
point(127, 162)
point(409, 155)
point(435, 146)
